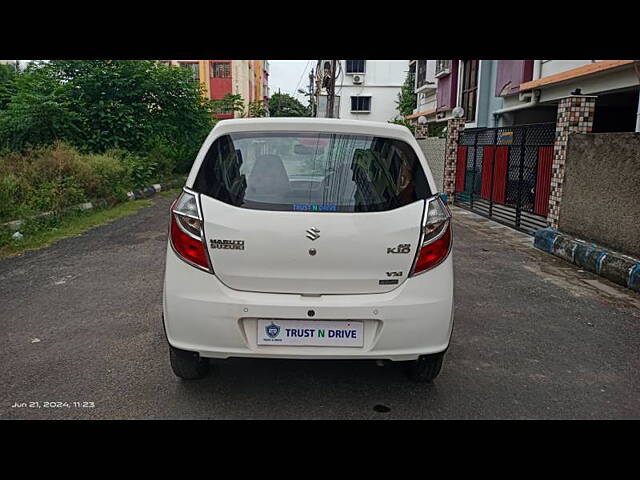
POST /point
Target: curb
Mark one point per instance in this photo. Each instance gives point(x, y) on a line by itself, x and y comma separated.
point(138, 194)
point(151, 190)
point(615, 266)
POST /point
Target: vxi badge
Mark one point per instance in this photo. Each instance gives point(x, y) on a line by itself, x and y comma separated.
point(227, 244)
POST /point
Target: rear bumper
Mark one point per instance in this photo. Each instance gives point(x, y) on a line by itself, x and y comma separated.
point(203, 315)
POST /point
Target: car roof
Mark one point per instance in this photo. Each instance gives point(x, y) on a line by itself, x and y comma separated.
point(330, 125)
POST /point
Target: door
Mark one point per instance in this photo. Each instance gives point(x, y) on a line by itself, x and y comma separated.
point(354, 252)
point(311, 213)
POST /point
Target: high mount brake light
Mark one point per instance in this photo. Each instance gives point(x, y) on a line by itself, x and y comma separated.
point(436, 236)
point(186, 232)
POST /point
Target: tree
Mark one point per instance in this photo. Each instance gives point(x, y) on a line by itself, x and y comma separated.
point(98, 105)
point(230, 103)
point(8, 77)
point(38, 113)
point(407, 99)
point(256, 109)
point(284, 105)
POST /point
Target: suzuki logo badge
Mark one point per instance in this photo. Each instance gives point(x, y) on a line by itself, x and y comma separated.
point(313, 233)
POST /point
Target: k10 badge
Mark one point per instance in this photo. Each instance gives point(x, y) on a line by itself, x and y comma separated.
point(401, 248)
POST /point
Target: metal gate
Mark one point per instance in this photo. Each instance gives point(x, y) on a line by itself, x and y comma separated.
point(505, 173)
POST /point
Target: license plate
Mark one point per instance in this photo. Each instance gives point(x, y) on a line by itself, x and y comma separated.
point(311, 333)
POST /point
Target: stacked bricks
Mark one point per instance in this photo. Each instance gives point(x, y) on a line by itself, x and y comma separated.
point(421, 131)
point(575, 115)
point(455, 127)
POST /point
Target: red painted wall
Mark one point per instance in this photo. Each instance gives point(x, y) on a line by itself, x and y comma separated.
point(487, 171)
point(510, 74)
point(543, 180)
point(220, 87)
point(448, 89)
point(500, 168)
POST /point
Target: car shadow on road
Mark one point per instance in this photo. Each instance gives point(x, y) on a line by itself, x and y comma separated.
point(299, 389)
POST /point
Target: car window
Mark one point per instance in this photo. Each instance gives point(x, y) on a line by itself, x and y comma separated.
point(318, 172)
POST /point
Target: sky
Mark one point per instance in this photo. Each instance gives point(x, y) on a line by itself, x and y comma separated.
point(289, 75)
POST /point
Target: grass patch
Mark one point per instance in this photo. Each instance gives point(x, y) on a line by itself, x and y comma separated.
point(43, 232)
point(174, 192)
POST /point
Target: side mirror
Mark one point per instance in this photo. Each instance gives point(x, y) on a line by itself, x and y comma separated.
point(444, 198)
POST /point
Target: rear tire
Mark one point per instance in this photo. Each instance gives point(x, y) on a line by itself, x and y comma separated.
point(425, 368)
point(188, 365)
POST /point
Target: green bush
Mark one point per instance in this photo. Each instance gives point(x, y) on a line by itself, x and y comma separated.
point(56, 195)
point(78, 130)
point(173, 157)
point(166, 157)
point(57, 177)
point(14, 192)
point(142, 170)
point(106, 177)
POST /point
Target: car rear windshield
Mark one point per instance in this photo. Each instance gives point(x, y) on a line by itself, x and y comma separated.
point(317, 172)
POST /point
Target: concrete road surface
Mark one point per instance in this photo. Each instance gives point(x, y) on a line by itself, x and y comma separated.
point(534, 337)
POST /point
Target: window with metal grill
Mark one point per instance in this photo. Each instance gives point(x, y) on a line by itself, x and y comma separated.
point(194, 68)
point(422, 73)
point(361, 104)
point(470, 89)
point(221, 70)
point(356, 66)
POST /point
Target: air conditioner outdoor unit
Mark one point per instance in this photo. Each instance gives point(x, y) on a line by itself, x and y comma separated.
point(357, 79)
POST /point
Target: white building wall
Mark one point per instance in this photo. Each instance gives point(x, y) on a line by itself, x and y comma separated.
point(594, 84)
point(241, 78)
point(426, 94)
point(382, 82)
point(551, 67)
point(427, 100)
point(15, 63)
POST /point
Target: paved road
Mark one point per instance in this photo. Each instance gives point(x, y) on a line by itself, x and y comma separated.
point(534, 338)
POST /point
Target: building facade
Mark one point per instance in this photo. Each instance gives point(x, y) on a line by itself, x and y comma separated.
point(364, 89)
point(495, 93)
point(247, 78)
point(265, 83)
point(13, 63)
point(508, 125)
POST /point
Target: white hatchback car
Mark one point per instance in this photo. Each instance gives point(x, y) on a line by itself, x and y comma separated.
point(309, 238)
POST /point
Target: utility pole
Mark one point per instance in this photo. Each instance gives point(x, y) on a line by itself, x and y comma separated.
point(311, 97)
point(279, 101)
point(331, 93)
point(318, 86)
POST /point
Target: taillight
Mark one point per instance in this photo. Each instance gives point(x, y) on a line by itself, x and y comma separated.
point(187, 236)
point(435, 238)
